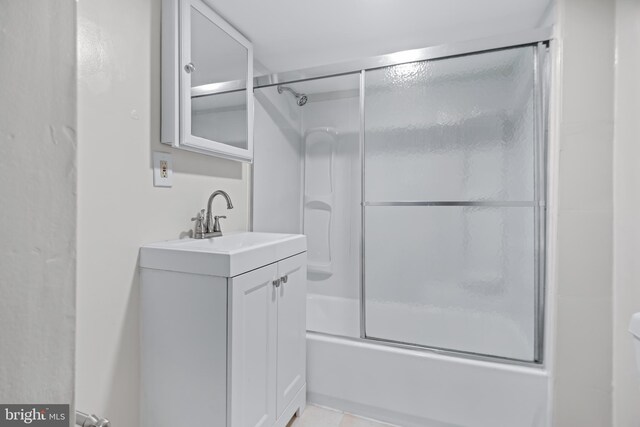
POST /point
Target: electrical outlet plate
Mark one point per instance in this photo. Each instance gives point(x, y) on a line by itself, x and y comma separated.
point(162, 169)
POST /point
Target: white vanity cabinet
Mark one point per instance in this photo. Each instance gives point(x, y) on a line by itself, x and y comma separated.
point(224, 349)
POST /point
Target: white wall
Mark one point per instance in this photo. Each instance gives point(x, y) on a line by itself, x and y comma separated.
point(38, 208)
point(583, 356)
point(118, 207)
point(626, 292)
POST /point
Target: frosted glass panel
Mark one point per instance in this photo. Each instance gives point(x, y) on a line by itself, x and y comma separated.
point(451, 129)
point(442, 270)
point(459, 278)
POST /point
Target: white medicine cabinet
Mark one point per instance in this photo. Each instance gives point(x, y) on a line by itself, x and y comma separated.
point(207, 82)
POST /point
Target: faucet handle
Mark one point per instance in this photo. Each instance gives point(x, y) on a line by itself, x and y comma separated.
point(199, 216)
point(216, 224)
point(199, 228)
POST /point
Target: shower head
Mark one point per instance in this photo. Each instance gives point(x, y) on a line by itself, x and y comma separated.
point(301, 98)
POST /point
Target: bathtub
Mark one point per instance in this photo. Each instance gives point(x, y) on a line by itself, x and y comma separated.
point(414, 388)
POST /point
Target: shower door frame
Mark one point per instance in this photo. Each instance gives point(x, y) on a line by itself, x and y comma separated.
point(540, 39)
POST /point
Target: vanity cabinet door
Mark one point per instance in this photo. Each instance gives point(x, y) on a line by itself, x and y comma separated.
point(252, 343)
point(291, 329)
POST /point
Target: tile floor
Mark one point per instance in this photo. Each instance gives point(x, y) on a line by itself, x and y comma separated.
point(314, 416)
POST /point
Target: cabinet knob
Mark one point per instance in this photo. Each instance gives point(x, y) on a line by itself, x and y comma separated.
point(284, 279)
point(276, 283)
point(190, 68)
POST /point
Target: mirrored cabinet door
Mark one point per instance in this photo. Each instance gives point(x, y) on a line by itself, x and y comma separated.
point(212, 69)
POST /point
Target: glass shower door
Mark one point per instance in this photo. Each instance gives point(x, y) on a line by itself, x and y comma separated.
point(454, 203)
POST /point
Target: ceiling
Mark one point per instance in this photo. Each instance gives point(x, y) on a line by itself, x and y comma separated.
point(293, 34)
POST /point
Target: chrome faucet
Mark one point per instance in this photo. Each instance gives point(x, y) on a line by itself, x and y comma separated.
point(210, 227)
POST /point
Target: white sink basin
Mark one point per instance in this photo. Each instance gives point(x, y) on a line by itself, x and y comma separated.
point(226, 256)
